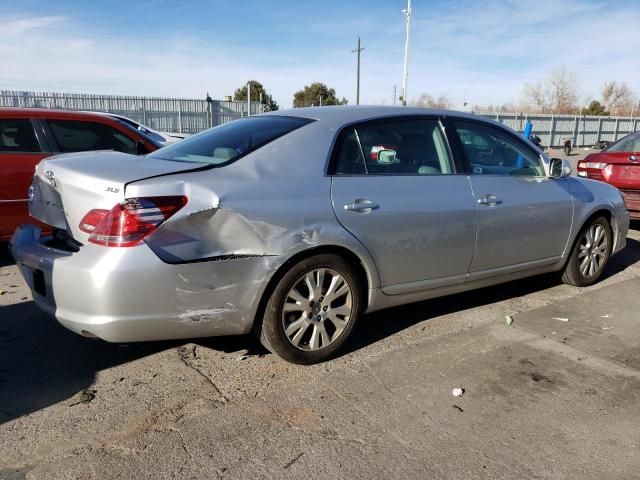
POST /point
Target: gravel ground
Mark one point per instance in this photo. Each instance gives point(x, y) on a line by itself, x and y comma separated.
point(554, 395)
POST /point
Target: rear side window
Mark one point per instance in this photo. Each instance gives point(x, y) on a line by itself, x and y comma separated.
point(627, 144)
point(75, 136)
point(18, 136)
point(395, 147)
point(228, 142)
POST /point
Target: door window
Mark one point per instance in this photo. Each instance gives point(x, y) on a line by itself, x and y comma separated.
point(18, 136)
point(491, 151)
point(76, 136)
point(394, 147)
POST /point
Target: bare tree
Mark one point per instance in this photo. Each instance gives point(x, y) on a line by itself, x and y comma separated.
point(429, 101)
point(618, 98)
point(536, 95)
point(556, 93)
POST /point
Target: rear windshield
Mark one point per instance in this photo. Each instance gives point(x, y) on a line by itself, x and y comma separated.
point(630, 143)
point(228, 142)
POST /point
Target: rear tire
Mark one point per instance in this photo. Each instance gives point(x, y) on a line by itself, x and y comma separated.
point(590, 254)
point(312, 310)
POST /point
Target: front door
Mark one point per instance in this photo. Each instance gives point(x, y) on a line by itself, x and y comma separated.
point(395, 187)
point(524, 217)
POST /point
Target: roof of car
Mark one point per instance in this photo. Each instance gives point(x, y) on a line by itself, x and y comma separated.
point(353, 113)
point(40, 112)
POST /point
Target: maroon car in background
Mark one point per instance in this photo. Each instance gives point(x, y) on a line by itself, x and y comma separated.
point(27, 135)
point(619, 165)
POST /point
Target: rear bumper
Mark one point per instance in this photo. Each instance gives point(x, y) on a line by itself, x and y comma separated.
point(129, 294)
point(632, 200)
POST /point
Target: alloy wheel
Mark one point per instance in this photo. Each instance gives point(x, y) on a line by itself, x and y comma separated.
point(593, 251)
point(317, 309)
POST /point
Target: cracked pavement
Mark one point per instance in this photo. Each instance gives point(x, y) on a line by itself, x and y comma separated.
point(544, 397)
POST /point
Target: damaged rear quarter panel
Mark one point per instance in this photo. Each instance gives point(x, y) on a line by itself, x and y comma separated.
point(272, 203)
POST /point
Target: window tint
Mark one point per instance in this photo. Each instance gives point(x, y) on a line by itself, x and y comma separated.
point(491, 151)
point(17, 136)
point(395, 147)
point(223, 144)
point(75, 136)
point(627, 144)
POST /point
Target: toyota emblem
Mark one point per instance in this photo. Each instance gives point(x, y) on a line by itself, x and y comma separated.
point(51, 178)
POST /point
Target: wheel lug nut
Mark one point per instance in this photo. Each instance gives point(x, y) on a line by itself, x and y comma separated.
point(318, 318)
point(325, 308)
point(322, 299)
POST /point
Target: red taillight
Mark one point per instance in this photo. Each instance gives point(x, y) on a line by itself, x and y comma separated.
point(92, 219)
point(128, 223)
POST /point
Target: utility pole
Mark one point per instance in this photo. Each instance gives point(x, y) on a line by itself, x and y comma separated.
point(320, 100)
point(405, 74)
point(394, 94)
point(358, 50)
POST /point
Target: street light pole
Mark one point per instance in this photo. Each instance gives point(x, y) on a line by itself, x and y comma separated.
point(358, 50)
point(405, 73)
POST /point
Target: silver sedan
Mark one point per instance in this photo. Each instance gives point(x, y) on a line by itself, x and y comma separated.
point(294, 224)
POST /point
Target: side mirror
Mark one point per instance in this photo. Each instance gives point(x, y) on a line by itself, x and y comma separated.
point(559, 168)
point(141, 149)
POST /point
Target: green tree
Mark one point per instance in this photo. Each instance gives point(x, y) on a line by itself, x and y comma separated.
point(595, 108)
point(315, 94)
point(240, 95)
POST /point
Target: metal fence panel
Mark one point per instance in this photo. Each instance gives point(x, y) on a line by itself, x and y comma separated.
point(194, 115)
point(584, 131)
point(181, 115)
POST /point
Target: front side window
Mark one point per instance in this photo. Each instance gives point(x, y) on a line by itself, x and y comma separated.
point(630, 143)
point(77, 136)
point(228, 142)
point(394, 147)
point(18, 136)
point(491, 151)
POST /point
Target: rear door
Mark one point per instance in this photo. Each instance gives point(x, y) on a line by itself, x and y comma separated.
point(20, 151)
point(524, 217)
point(396, 188)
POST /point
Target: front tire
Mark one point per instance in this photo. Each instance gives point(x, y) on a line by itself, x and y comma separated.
point(312, 310)
point(590, 254)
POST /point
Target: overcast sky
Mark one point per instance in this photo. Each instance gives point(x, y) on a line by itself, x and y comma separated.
point(481, 51)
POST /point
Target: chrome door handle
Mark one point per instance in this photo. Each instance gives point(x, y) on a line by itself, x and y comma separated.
point(361, 205)
point(489, 200)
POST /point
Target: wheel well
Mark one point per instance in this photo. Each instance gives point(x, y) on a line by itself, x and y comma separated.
point(598, 213)
point(351, 258)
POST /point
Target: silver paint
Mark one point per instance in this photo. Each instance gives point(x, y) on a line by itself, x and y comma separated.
point(205, 271)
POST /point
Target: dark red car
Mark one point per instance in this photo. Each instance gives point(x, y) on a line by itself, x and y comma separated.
point(619, 165)
point(27, 135)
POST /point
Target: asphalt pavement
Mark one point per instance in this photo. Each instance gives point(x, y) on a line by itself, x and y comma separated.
point(555, 394)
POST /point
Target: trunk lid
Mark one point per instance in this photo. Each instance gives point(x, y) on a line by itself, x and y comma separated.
point(66, 187)
point(621, 171)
